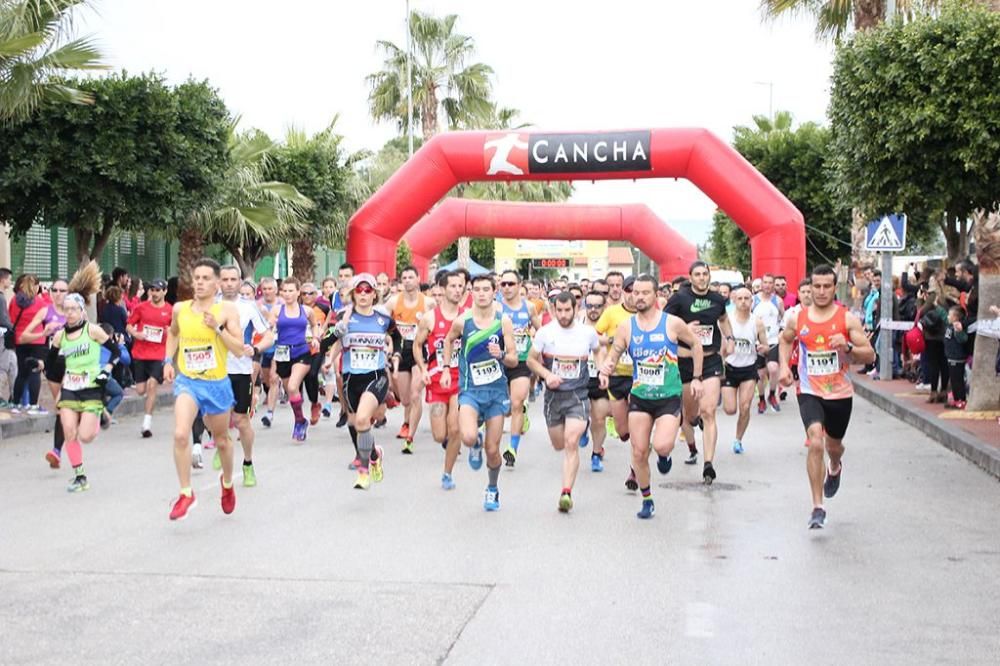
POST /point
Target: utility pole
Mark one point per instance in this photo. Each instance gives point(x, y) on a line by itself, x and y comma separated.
point(770, 97)
point(409, 82)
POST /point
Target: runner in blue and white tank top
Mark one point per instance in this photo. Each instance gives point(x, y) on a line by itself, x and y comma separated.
point(487, 345)
point(268, 304)
point(525, 321)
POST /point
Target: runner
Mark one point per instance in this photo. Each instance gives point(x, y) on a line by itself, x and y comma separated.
point(201, 331)
point(407, 308)
point(768, 307)
point(293, 349)
point(616, 286)
point(428, 352)
point(268, 306)
point(650, 337)
point(363, 335)
point(706, 310)
point(341, 301)
point(829, 339)
point(741, 366)
point(486, 338)
point(600, 406)
point(620, 382)
point(148, 324)
point(525, 320)
point(240, 368)
point(560, 355)
point(312, 382)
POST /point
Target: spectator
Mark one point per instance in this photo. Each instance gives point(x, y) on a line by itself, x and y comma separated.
point(956, 352)
point(30, 355)
point(8, 359)
point(114, 310)
point(113, 391)
point(933, 322)
point(171, 296)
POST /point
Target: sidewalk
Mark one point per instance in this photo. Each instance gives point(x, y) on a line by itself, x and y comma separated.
point(974, 435)
point(15, 424)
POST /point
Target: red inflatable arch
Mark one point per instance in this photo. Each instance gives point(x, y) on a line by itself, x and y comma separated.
point(635, 223)
point(775, 227)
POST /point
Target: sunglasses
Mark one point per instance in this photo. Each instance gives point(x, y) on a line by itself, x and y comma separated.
point(59, 291)
point(598, 291)
point(508, 284)
point(363, 289)
point(309, 293)
point(627, 290)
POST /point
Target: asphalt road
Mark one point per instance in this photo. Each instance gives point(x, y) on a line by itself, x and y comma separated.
point(308, 570)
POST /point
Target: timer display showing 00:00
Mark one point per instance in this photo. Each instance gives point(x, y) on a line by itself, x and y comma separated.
point(550, 263)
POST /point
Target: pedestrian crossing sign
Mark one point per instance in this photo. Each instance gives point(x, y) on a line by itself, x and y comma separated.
point(887, 234)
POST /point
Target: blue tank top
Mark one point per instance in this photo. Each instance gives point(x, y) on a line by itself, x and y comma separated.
point(291, 334)
point(477, 369)
point(364, 342)
point(521, 319)
point(655, 374)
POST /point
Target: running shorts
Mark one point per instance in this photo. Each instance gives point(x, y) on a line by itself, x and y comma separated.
point(84, 401)
point(355, 386)
point(711, 366)
point(518, 371)
point(834, 415)
point(406, 360)
point(594, 390)
point(213, 396)
point(242, 393)
point(619, 388)
point(735, 376)
point(143, 370)
point(487, 402)
point(656, 408)
point(562, 405)
point(285, 367)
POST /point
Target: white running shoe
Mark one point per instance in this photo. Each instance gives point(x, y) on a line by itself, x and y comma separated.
point(196, 459)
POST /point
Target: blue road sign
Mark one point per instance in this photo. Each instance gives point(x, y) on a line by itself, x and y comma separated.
point(886, 234)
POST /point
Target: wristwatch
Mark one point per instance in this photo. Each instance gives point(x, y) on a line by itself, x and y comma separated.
point(850, 346)
point(699, 378)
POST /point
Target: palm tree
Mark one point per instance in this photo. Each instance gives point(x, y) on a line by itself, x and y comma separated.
point(34, 53)
point(985, 391)
point(252, 216)
point(442, 77)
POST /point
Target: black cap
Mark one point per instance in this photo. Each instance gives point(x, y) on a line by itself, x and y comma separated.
point(158, 283)
point(629, 281)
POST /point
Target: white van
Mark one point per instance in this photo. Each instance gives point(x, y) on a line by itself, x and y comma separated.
point(724, 276)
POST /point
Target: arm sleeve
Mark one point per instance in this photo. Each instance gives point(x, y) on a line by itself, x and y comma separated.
point(113, 349)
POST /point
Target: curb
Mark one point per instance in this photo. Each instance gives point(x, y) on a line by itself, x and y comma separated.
point(964, 444)
point(132, 405)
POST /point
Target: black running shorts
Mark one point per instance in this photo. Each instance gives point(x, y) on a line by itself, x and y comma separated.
point(835, 415)
point(242, 393)
point(656, 408)
point(711, 366)
point(376, 383)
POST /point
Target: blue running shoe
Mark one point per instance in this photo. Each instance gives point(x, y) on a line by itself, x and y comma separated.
point(585, 440)
point(647, 510)
point(492, 501)
point(737, 446)
point(664, 464)
point(476, 454)
point(596, 463)
point(447, 483)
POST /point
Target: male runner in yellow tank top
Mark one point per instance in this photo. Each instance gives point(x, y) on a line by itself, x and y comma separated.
point(201, 332)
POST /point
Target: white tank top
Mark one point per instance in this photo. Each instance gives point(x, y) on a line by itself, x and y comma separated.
point(768, 313)
point(745, 333)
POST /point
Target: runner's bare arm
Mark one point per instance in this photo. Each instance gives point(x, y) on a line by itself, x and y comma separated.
point(863, 352)
point(536, 317)
point(509, 346)
point(685, 334)
point(423, 329)
point(535, 364)
point(618, 346)
point(172, 334)
point(762, 346)
point(785, 341)
point(454, 333)
point(728, 343)
point(230, 332)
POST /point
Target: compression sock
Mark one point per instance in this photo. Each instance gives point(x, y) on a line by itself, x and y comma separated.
point(515, 441)
point(366, 443)
point(247, 463)
point(75, 453)
point(647, 493)
point(354, 438)
point(57, 436)
point(494, 474)
point(296, 404)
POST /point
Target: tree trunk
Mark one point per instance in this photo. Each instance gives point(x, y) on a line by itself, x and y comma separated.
point(984, 393)
point(953, 239)
point(101, 240)
point(868, 13)
point(303, 259)
point(429, 116)
point(192, 248)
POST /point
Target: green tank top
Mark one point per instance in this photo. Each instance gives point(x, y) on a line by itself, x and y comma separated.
point(83, 361)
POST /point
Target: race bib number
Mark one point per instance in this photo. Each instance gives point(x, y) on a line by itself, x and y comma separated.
point(566, 368)
point(200, 359)
point(743, 346)
point(705, 333)
point(283, 353)
point(364, 358)
point(485, 372)
point(819, 363)
point(522, 341)
point(651, 373)
point(153, 334)
point(407, 331)
point(439, 352)
point(591, 368)
point(75, 381)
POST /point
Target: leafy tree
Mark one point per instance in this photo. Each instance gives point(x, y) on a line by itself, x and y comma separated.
point(142, 158)
point(835, 17)
point(915, 119)
point(34, 52)
point(404, 256)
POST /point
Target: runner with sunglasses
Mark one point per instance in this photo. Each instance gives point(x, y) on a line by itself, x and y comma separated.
point(363, 340)
point(525, 320)
point(148, 324)
point(486, 340)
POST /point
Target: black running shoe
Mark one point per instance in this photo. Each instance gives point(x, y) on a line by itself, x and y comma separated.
point(342, 421)
point(692, 458)
point(509, 457)
point(708, 474)
point(832, 483)
point(818, 519)
point(698, 423)
point(630, 482)
point(381, 423)
point(663, 465)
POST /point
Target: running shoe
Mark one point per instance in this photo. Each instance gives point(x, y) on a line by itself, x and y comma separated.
point(476, 454)
point(249, 476)
point(526, 424)
point(327, 410)
point(146, 432)
point(663, 464)
point(510, 456)
point(342, 421)
point(78, 484)
point(363, 482)
point(692, 458)
point(783, 395)
point(609, 424)
point(210, 444)
point(354, 464)
point(52, 457)
point(708, 473)
point(196, 460)
point(216, 461)
point(648, 509)
point(404, 431)
point(266, 419)
point(631, 483)
point(596, 463)
point(832, 483)
point(391, 401)
point(761, 406)
point(106, 420)
point(492, 500)
point(183, 506)
point(314, 414)
point(299, 431)
point(565, 503)
point(585, 438)
point(698, 423)
point(818, 519)
point(228, 499)
point(773, 401)
point(737, 446)
point(375, 466)
point(447, 483)
point(381, 423)
point(408, 446)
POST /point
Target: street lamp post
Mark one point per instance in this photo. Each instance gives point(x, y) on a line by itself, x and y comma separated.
point(770, 97)
point(409, 82)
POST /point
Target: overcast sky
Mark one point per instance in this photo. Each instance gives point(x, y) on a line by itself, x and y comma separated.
point(565, 65)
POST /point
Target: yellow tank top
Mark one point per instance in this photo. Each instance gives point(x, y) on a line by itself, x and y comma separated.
point(201, 354)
